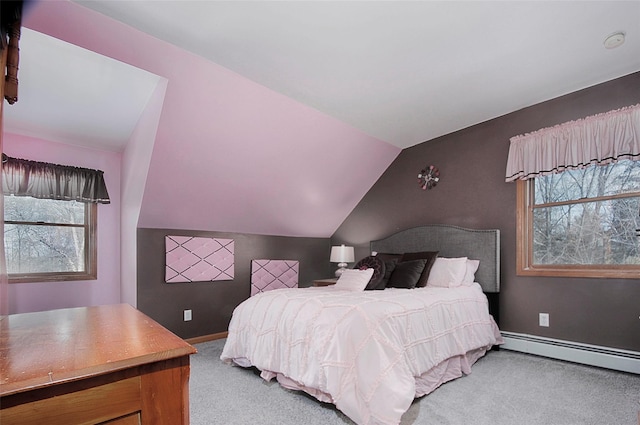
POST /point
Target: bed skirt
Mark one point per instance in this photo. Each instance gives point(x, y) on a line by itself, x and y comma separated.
point(426, 383)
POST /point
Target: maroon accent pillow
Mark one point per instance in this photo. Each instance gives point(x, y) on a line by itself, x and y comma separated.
point(430, 256)
point(406, 274)
point(378, 267)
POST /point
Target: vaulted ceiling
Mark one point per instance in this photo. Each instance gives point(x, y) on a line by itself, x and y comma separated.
point(403, 72)
point(279, 116)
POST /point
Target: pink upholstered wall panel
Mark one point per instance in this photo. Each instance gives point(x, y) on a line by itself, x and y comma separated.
point(194, 259)
point(267, 275)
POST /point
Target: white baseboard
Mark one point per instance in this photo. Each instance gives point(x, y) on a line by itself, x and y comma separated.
point(594, 355)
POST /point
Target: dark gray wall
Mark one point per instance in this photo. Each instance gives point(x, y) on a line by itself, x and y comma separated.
point(212, 303)
point(472, 193)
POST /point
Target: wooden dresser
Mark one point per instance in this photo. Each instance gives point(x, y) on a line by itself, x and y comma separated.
point(91, 365)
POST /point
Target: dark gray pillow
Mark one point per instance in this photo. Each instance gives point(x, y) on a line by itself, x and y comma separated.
point(378, 267)
point(406, 274)
point(430, 256)
point(390, 261)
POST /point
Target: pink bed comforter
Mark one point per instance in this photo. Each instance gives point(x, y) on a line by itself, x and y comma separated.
point(362, 351)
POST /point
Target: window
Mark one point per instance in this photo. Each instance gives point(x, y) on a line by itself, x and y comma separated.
point(49, 240)
point(50, 216)
point(582, 223)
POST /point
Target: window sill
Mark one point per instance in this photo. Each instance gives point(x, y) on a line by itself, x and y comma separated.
point(609, 272)
point(51, 277)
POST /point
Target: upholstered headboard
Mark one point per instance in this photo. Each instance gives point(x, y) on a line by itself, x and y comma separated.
point(451, 241)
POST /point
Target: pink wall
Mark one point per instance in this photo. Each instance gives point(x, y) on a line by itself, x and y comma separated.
point(135, 166)
point(229, 154)
point(28, 297)
point(213, 151)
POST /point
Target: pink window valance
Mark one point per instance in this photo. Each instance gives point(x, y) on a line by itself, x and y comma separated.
point(598, 139)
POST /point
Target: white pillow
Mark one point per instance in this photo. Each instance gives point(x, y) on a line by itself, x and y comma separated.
point(470, 275)
point(447, 272)
point(354, 280)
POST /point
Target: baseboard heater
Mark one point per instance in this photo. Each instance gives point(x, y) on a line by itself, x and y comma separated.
point(593, 355)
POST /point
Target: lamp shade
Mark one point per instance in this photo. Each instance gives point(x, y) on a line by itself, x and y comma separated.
point(341, 254)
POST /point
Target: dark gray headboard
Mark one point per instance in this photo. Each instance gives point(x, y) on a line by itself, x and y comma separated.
point(451, 241)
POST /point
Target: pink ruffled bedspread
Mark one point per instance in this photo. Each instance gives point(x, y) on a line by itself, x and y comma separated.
point(369, 353)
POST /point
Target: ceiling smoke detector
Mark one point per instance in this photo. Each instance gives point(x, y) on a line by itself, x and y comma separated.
point(614, 40)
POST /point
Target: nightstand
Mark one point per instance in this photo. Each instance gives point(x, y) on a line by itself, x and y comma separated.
point(324, 282)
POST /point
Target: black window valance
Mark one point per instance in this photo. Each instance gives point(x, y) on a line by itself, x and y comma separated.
point(21, 177)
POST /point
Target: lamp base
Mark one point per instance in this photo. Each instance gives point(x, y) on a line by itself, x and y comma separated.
point(341, 268)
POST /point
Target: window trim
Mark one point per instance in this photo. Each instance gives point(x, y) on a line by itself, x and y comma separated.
point(524, 250)
point(90, 256)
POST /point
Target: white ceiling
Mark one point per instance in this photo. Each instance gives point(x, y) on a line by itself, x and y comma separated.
point(72, 95)
point(403, 72)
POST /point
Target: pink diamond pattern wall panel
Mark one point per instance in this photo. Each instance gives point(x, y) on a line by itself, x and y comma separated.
point(196, 259)
point(267, 275)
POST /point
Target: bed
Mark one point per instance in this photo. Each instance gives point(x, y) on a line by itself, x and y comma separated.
point(372, 352)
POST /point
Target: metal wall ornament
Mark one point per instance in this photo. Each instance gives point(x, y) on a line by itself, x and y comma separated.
point(428, 177)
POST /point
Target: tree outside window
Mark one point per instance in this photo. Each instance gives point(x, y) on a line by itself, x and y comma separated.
point(582, 222)
point(49, 240)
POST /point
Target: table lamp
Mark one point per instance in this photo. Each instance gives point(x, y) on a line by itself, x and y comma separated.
point(341, 255)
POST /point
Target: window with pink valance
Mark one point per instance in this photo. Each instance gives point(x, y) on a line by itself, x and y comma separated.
point(597, 139)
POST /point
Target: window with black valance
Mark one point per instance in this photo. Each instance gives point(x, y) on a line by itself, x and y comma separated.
point(21, 177)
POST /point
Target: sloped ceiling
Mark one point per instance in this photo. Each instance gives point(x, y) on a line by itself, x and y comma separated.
point(228, 154)
point(279, 116)
point(402, 72)
point(72, 95)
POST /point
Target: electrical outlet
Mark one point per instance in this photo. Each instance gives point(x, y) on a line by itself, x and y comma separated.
point(544, 319)
point(187, 315)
